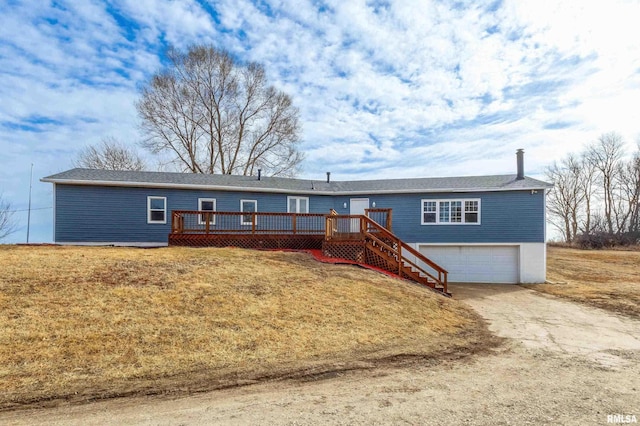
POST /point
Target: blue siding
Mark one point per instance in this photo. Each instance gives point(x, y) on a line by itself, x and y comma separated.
point(510, 216)
point(118, 214)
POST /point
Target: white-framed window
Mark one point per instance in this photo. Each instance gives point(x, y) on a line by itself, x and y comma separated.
point(248, 206)
point(429, 211)
point(451, 212)
point(472, 211)
point(156, 209)
point(206, 205)
point(297, 204)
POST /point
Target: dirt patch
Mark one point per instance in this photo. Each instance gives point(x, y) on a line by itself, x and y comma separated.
point(544, 322)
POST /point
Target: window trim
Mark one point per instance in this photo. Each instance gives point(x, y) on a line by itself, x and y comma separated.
point(212, 222)
point(297, 198)
point(149, 210)
point(434, 212)
point(255, 203)
point(463, 212)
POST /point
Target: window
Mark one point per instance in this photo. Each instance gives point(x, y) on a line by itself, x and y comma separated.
point(297, 204)
point(471, 211)
point(207, 205)
point(450, 211)
point(456, 211)
point(447, 212)
point(249, 206)
point(429, 211)
point(443, 206)
point(156, 209)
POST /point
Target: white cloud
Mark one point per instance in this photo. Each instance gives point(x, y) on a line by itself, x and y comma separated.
point(180, 23)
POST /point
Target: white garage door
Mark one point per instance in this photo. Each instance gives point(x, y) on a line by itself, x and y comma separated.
point(476, 264)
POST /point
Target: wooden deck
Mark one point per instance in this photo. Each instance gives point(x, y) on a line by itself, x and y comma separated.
point(357, 238)
point(247, 230)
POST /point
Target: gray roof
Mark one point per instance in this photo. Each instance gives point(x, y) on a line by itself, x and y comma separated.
point(293, 186)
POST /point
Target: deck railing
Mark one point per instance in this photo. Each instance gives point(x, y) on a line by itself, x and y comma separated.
point(204, 222)
point(381, 216)
point(343, 227)
point(404, 253)
point(207, 222)
point(396, 255)
point(353, 226)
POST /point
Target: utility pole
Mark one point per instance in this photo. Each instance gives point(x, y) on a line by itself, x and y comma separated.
point(29, 211)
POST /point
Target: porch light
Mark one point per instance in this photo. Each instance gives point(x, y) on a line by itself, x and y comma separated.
point(373, 204)
point(344, 205)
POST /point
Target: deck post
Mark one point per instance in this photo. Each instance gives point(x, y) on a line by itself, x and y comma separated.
point(253, 223)
point(177, 223)
point(328, 227)
point(294, 219)
point(207, 218)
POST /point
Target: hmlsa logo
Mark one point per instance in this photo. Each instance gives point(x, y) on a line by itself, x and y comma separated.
point(621, 418)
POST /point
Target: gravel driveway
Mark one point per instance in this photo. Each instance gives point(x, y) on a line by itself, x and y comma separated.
point(540, 321)
point(562, 363)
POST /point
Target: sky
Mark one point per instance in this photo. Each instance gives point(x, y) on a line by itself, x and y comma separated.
point(385, 89)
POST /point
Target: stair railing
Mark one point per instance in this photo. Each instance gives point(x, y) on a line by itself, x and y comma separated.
point(373, 230)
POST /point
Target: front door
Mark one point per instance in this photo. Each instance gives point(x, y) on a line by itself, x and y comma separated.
point(357, 207)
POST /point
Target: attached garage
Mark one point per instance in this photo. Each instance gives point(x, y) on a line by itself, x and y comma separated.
point(477, 263)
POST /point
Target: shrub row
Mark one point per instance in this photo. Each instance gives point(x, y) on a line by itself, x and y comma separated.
point(602, 240)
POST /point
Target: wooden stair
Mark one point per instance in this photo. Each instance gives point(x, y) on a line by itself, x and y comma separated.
point(384, 250)
point(387, 256)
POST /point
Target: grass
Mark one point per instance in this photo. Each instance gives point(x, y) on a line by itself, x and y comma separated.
point(607, 279)
point(91, 322)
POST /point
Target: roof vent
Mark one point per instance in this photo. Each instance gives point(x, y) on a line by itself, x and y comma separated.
point(259, 173)
point(520, 158)
point(328, 177)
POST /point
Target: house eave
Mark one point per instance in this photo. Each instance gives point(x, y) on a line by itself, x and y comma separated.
point(284, 191)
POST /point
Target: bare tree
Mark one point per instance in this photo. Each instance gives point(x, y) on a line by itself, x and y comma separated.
point(566, 199)
point(629, 184)
point(597, 195)
point(606, 156)
point(587, 183)
point(213, 114)
point(109, 154)
point(7, 224)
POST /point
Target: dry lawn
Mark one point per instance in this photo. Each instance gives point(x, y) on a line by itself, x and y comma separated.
point(79, 323)
point(608, 279)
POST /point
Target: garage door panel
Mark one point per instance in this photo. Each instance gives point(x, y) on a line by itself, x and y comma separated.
point(493, 264)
